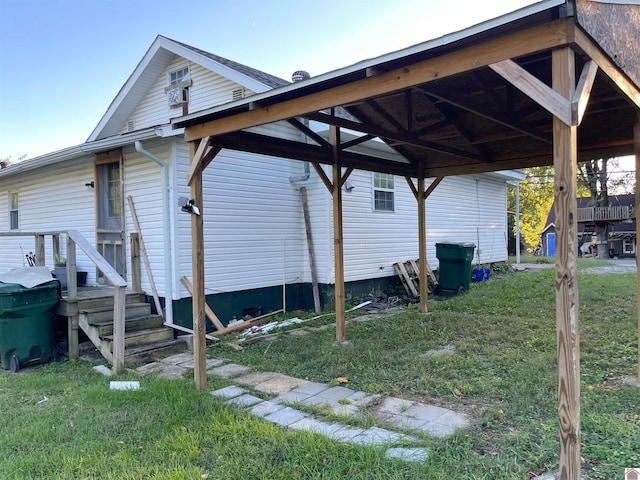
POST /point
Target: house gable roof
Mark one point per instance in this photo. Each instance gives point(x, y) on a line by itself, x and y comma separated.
point(161, 52)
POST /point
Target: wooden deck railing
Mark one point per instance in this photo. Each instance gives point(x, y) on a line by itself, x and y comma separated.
point(75, 239)
point(606, 214)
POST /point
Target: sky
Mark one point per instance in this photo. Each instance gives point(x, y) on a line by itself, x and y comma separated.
point(62, 62)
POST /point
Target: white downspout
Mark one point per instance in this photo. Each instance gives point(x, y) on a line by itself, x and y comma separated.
point(166, 225)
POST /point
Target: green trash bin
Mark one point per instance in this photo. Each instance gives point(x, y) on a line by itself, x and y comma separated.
point(26, 323)
point(454, 272)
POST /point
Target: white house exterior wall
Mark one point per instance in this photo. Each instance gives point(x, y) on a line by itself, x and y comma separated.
point(207, 89)
point(460, 209)
point(252, 221)
point(143, 182)
point(50, 199)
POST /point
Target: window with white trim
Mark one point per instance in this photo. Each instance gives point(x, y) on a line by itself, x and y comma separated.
point(14, 202)
point(383, 192)
point(627, 246)
point(178, 76)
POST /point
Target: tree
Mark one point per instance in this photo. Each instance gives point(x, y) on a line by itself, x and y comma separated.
point(536, 198)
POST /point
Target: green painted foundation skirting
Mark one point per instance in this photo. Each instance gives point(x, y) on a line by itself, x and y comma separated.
point(228, 306)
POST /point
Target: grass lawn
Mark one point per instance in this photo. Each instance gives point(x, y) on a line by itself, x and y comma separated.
point(503, 373)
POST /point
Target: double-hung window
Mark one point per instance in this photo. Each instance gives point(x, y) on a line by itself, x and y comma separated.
point(13, 211)
point(383, 192)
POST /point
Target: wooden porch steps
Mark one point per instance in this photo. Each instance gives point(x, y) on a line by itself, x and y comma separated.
point(146, 338)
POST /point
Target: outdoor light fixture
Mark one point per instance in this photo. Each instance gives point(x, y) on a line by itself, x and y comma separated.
point(348, 186)
point(90, 184)
point(187, 205)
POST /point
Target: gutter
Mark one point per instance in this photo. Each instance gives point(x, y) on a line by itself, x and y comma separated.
point(77, 152)
point(166, 224)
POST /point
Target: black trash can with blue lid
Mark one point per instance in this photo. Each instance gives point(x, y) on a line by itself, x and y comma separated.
point(454, 271)
point(26, 316)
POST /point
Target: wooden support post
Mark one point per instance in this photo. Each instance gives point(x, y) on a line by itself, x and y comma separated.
point(55, 245)
point(636, 143)
point(197, 262)
point(566, 280)
point(338, 245)
point(72, 297)
point(422, 245)
point(72, 278)
point(118, 329)
point(40, 254)
point(136, 278)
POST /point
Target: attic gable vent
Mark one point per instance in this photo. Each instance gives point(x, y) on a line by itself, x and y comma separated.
point(238, 94)
point(131, 125)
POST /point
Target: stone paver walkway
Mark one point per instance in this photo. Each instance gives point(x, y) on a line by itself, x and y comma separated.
point(288, 396)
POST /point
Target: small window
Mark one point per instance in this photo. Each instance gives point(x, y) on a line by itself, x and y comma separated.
point(627, 246)
point(178, 76)
point(115, 191)
point(13, 211)
point(383, 192)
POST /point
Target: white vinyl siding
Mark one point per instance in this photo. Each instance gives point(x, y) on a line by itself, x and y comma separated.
point(373, 244)
point(207, 89)
point(143, 182)
point(253, 224)
point(51, 199)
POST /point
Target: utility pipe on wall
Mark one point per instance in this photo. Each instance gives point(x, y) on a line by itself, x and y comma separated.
point(166, 225)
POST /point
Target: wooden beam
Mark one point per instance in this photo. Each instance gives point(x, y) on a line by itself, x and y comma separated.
point(636, 138)
point(323, 176)
point(40, 251)
point(507, 120)
point(338, 240)
point(535, 39)
point(399, 137)
point(583, 92)
point(535, 89)
point(345, 175)
point(136, 278)
point(568, 344)
point(611, 70)
point(196, 160)
point(422, 246)
point(413, 188)
point(207, 310)
point(197, 266)
point(433, 186)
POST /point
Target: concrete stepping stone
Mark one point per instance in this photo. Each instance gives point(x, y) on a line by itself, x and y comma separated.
point(179, 358)
point(229, 392)
point(172, 372)
point(279, 383)
point(379, 436)
point(336, 393)
point(408, 454)
point(230, 370)
point(244, 401)
point(394, 406)
point(285, 417)
point(265, 408)
point(149, 368)
point(312, 388)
